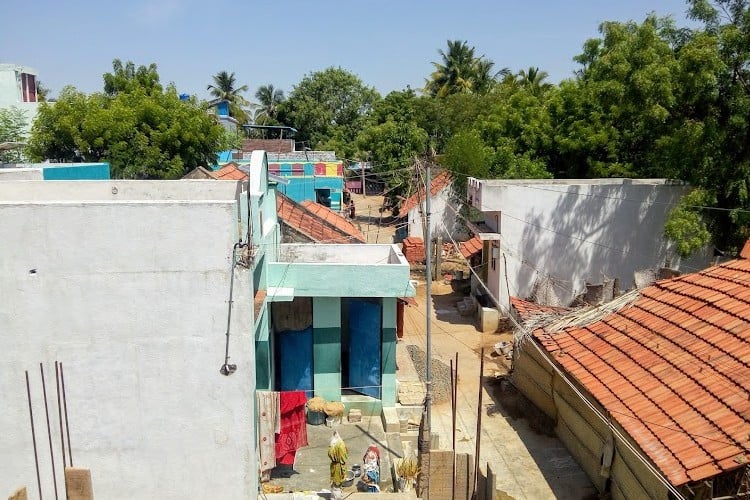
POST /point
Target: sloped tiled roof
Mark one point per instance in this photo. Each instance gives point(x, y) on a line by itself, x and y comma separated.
point(230, 171)
point(321, 226)
point(439, 182)
point(335, 219)
point(527, 310)
point(673, 369)
point(471, 247)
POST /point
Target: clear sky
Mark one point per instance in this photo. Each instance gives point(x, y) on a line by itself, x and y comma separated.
point(389, 44)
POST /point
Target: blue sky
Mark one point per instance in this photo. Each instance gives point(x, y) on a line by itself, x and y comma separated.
point(389, 44)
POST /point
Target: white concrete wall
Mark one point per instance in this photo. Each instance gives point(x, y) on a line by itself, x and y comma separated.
point(575, 232)
point(132, 298)
point(342, 254)
point(442, 220)
point(11, 94)
point(21, 174)
point(117, 190)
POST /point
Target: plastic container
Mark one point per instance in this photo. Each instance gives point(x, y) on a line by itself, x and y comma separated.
point(316, 417)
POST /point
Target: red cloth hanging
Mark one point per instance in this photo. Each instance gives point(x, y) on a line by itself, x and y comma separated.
point(293, 434)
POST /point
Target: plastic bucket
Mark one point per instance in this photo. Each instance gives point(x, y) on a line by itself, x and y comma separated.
point(316, 417)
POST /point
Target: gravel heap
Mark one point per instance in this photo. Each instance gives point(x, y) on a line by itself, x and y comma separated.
point(441, 373)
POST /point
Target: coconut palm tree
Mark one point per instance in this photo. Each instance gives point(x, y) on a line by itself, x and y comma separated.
point(269, 99)
point(485, 77)
point(224, 88)
point(461, 71)
point(533, 79)
point(454, 74)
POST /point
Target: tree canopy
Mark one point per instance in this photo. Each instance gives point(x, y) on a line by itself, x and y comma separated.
point(13, 126)
point(329, 109)
point(144, 132)
point(225, 88)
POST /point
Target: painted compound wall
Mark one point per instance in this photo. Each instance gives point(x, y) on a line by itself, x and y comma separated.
point(132, 298)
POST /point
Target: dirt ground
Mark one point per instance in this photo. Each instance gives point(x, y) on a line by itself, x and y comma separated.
point(516, 440)
point(376, 226)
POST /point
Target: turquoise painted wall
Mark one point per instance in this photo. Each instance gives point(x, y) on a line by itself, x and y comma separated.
point(327, 347)
point(263, 350)
point(388, 395)
point(76, 172)
point(340, 280)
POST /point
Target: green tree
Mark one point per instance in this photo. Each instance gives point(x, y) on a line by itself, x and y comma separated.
point(225, 88)
point(42, 91)
point(716, 129)
point(144, 133)
point(533, 80)
point(391, 139)
point(329, 108)
point(269, 99)
point(610, 122)
point(13, 125)
point(461, 71)
point(127, 77)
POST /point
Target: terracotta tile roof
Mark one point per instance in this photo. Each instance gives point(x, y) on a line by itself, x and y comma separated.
point(471, 247)
point(673, 369)
point(230, 172)
point(333, 218)
point(317, 222)
point(527, 310)
point(439, 182)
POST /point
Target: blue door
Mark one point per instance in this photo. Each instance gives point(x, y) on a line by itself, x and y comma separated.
point(295, 359)
point(365, 347)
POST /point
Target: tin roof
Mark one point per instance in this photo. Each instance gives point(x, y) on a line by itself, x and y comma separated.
point(673, 369)
point(317, 222)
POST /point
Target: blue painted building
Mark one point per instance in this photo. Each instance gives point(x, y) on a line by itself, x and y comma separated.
point(325, 316)
point(318, 181)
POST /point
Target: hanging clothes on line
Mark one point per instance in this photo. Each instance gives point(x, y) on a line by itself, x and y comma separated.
point(293, 432)
point(269, 424)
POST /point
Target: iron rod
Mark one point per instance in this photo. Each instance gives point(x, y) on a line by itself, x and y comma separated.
point(65, 408)
point(33, 436)
point(49, 430)
point(59, 413)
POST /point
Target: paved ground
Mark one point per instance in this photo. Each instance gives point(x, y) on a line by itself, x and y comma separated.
point(311, 469)
point(528, 464)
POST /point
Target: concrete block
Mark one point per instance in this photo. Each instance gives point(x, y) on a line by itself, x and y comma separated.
point(489, 319)
point(390, 420)
point(355, 415)
point(78, 484)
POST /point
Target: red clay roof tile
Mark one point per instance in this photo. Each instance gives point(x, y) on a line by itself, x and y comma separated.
point(439, 182)
point(230, 171)
point(471, 247)
point(673, 368)
point(317, 222)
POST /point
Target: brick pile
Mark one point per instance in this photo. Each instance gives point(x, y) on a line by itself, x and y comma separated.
point(413, 249)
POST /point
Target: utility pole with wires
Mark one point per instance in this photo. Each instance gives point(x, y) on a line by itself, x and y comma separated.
point(425, 436)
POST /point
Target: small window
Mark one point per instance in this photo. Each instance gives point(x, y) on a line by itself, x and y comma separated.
point(28, 87)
